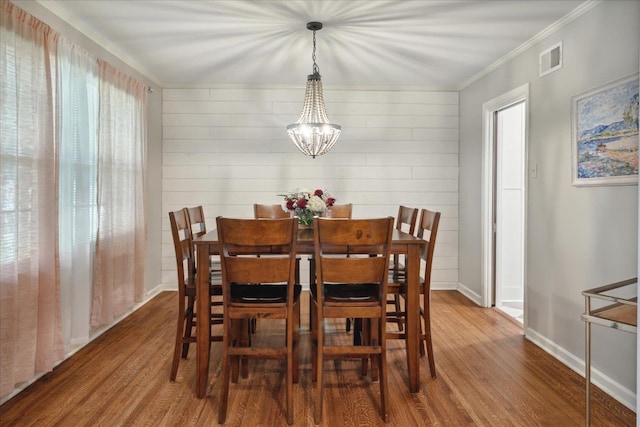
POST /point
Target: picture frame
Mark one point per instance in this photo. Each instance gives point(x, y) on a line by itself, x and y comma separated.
point(604, 134)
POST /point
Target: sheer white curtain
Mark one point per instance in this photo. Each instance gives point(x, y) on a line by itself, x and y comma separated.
point(30, 330)
point(78, 79)
point(121, 246)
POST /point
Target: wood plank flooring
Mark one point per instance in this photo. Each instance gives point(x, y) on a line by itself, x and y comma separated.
point(488, 375)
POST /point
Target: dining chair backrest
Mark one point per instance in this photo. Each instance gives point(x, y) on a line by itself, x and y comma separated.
point(257, 251)
point(269, 211)
point(183, 246)
point(198, 228)
point(406, 219)
point(196, 219)
point(339, 211)
point(338, 244)
point(428, 230)
point(336, 211)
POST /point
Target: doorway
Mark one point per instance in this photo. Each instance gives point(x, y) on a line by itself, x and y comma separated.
point(508, 210)
point(504, 202)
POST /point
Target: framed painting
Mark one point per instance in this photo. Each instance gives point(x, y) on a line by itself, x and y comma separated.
point(605, 134)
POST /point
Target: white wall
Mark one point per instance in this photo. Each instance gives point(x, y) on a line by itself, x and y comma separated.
point(578, 238)
point(227, 148)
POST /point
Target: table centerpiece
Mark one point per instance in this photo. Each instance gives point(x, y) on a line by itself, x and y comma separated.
point(305, 204)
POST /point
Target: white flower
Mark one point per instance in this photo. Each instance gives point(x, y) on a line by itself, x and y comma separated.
point(316, 204)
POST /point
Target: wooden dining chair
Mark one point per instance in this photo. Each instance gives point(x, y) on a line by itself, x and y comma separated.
point(343, 211)
point(339, 211)
point(269, 211)
point(427, 230)
point(256, 251)
point(352, 259)
point(405, 221)
point(186, 273)
point(261, 211)
point(198, 229)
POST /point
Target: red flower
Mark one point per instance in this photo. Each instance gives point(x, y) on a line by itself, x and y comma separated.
point(290, 205)
point(302, 203)
point(330, 201)
point(318, 193)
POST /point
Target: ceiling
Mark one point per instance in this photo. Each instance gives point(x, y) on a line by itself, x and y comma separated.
point(372, 43)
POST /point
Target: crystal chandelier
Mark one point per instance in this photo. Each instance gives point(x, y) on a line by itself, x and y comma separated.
point(312, 133)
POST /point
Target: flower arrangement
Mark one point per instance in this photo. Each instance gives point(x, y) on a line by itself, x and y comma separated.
point(305, 204)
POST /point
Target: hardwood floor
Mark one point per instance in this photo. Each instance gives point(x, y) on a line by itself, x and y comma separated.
point(488, 375)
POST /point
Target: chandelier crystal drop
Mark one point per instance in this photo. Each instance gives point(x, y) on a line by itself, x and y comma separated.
point(312, 133)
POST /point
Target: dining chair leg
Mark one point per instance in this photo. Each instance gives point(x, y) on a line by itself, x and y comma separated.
point(314, 341)
point(178, 343)
point(226, 372)
point(239, 337)
point(291, 366)
point(296, 343)
point(246, 342)
point(427, 334)
point(423, 341)
point(384, 391)
point(317, 412)
point(374, 339)
point(312, 283)
point(357, 331)
point(398, 307)
point(188, 325)
point(363, 331)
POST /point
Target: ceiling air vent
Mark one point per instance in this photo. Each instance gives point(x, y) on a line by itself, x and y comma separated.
point(551, 59)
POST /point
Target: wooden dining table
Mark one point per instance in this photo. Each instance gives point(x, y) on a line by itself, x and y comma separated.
point(402, 243)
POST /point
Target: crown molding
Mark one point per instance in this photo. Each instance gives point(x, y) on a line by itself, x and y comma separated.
point(574, 14)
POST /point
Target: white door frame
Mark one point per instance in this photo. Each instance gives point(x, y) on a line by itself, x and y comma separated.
point(519, 94)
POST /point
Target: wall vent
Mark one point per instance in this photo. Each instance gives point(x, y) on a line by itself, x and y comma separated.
point(551, 59)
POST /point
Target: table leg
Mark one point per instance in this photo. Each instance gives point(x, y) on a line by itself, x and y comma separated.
point(413, 316)
point(203, 331)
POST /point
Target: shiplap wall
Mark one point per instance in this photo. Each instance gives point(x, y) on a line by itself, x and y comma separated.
point(227, 148)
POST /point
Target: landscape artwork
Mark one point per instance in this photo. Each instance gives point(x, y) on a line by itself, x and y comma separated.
point(605, 134)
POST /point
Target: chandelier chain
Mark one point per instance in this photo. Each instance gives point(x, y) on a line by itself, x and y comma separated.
point(313, 55)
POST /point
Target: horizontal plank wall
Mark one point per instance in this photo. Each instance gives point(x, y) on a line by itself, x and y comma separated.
point(227, 148)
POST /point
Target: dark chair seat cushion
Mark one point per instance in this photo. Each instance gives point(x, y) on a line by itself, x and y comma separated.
point(263, 293)
point(367, 292)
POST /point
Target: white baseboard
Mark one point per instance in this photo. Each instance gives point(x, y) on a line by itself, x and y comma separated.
point(163, 287)
point(77, 344)
point(476, 298)
point(614, 389)
point(444, 286)
point(607, 384)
